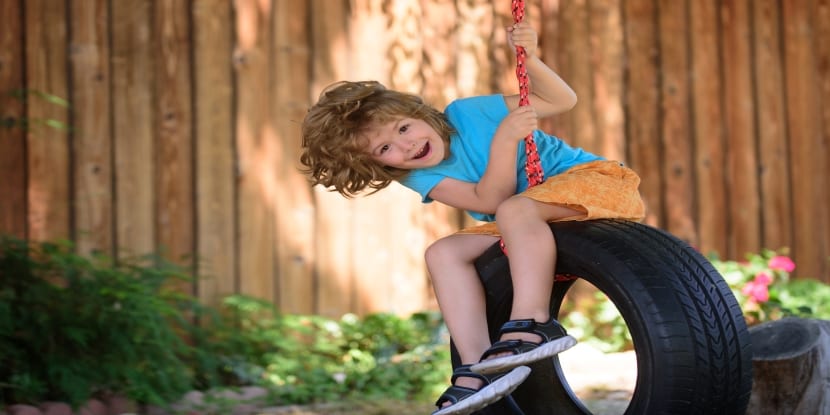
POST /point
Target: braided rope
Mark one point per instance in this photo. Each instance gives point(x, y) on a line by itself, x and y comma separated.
point(533, 167)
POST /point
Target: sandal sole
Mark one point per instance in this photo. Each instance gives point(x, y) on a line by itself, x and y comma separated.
point(489, 394)
point(505, 363)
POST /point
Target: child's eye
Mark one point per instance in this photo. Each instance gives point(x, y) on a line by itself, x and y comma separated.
point(384, 149)
point(403, 128)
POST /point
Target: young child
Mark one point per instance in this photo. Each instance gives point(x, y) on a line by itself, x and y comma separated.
point(361, 136)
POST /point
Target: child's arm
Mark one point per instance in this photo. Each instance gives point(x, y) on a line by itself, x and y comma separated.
point(550, 94)
point(499, 180)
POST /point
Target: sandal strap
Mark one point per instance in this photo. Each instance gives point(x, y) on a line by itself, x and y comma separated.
point(550, 330)
point(463, 371)
point(453, 395)
point(511, 346)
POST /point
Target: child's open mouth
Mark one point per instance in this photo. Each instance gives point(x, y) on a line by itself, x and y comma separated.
point(424, 151)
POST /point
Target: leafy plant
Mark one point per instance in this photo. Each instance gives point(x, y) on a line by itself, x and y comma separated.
point(598, 323)
point(71, 327)
point(763, 287)
point(312, 358)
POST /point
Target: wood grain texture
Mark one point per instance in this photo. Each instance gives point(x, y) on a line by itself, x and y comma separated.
point(774, 163)
point(256, 150)
point(174, 134)
point(741, 148)
point(642, 104)
point(13, 207)
point(133, 120)
point(675, 121)
point(708, 128)
point(89, 58)
point(214, 150)
point(294, 202)
point(47, 153)
point(809, 189)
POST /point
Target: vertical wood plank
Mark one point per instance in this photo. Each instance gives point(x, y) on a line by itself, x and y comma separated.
point(294, 203)
point(133, 118)
point(823, 15)
point(475, 22)
point(213, 112)
point(774, 168)
point(333, 214)
point(606, 37)
point(675, 121)
point(47, 146)
point(256, 147)
point(553, 41)
point(804, 121)
point(12, 132)
point(438, 63)
point(89, 55)
point(554, 45)
point(502, 57)
point(174, 131)
point(742, 152)
point(708, 126)
point(578, 73)
point(642, 103)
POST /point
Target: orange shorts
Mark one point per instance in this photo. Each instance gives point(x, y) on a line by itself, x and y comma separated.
point(601, 189)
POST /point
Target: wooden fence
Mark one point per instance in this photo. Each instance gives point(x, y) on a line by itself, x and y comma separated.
point(180, 128)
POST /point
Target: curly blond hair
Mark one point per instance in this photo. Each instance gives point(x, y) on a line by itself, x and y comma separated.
point(334, 147)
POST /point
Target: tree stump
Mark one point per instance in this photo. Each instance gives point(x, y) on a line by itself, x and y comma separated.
point(791, 366)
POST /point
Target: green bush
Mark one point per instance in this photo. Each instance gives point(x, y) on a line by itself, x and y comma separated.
point(311, 358)
point(763, 287)
point(71, 327)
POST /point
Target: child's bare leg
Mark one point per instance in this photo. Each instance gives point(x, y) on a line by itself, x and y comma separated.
point(460, 294)
point(532, 253)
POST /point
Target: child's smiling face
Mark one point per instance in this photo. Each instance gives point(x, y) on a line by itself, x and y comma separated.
point(405, 143)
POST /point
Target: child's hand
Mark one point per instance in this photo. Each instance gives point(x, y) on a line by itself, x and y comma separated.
point(517, 124)
point(524, 35)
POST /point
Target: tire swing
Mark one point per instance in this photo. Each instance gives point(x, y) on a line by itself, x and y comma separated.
point(689, 334)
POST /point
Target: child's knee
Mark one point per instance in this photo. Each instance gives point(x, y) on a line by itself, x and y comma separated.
point(515, 205)
point(441, 251)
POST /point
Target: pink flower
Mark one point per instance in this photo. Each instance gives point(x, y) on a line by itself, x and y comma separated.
point(763, 277)
point(756, 291)
point(781, 263)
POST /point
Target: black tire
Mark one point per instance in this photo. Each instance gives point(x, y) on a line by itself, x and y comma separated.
point(691, 341)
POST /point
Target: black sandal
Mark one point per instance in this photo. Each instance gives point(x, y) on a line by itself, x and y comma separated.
point(554, 340)
point(465, 400)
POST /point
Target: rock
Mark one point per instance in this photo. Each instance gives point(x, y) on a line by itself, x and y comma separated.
point(119, 405)
point(55, 408)
point(93, 407)
point(23, 410)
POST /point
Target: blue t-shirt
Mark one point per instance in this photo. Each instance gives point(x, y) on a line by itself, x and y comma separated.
point(475, 121)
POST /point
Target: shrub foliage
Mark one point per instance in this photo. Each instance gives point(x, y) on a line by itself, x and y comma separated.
point(74, 327)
